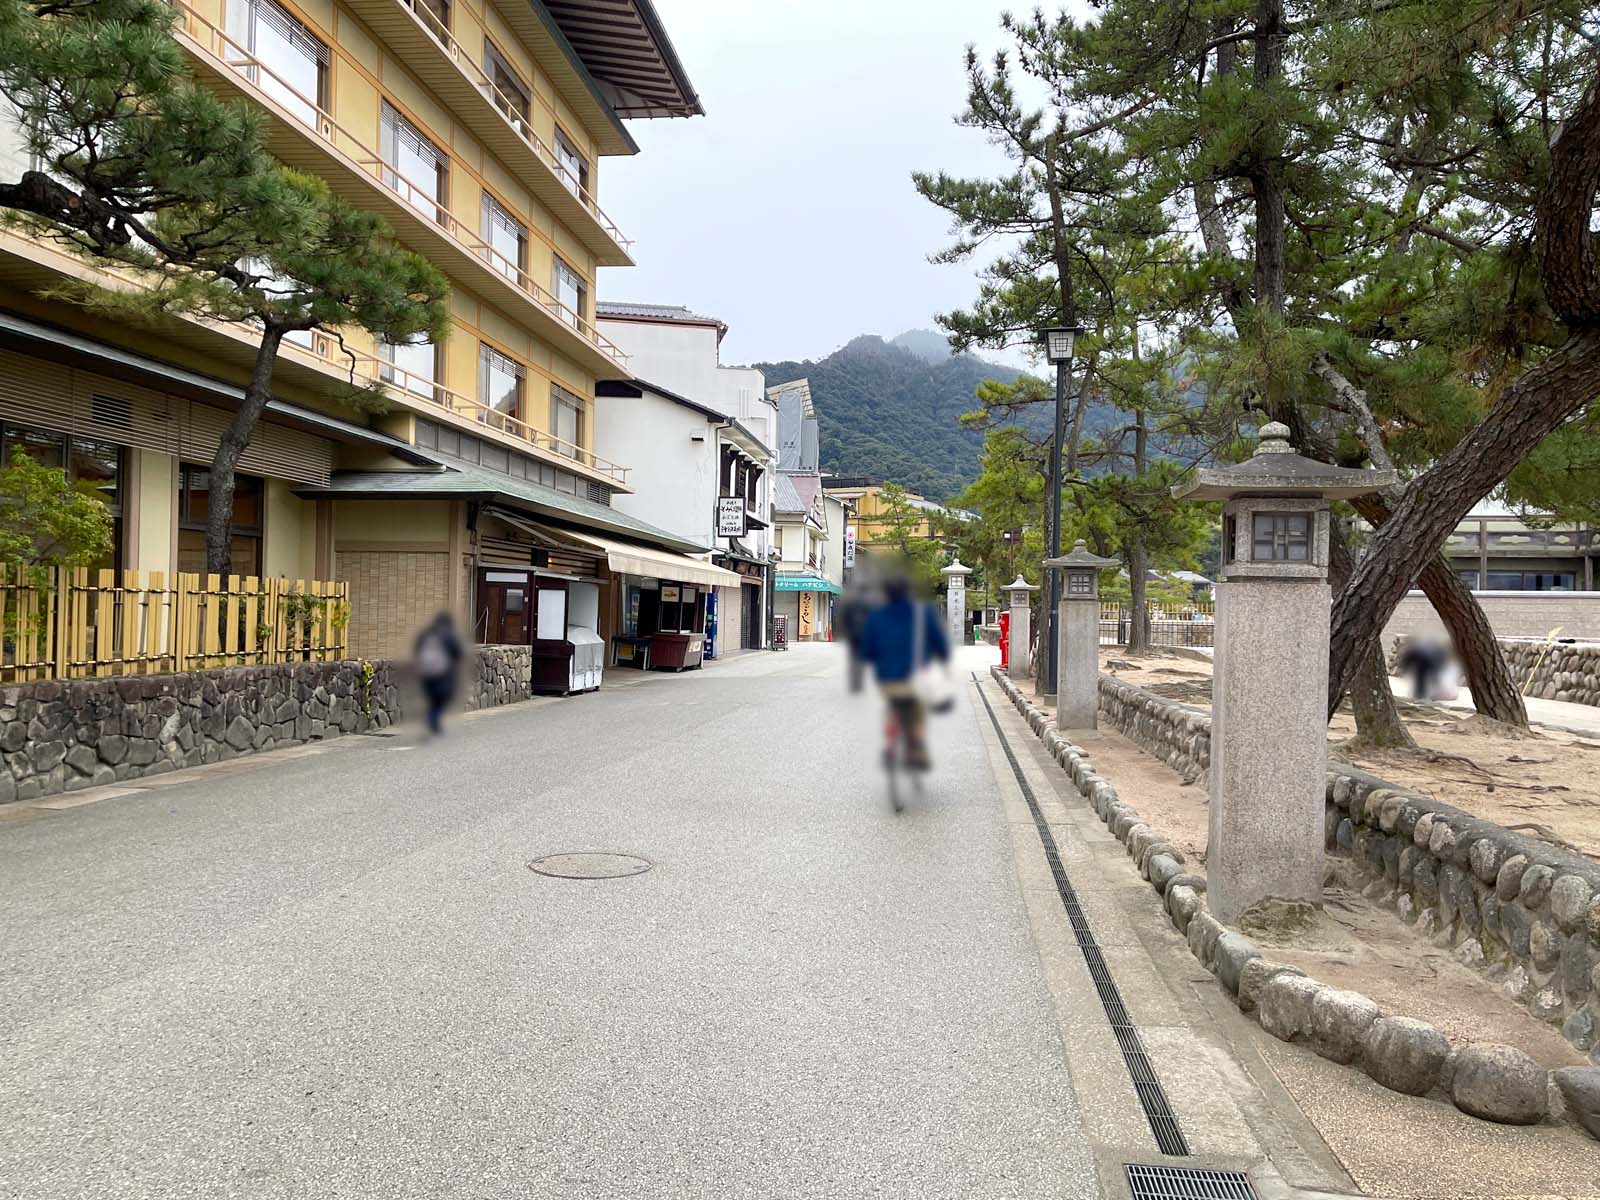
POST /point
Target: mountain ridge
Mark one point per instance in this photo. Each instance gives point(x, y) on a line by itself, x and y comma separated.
point(891, 409)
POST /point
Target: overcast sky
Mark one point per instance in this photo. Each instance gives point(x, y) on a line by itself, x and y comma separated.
point(788, 210)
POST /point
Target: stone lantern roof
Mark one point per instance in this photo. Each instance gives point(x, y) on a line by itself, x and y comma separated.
point(1019, 584)
point(1080, 557)
point(1276, 470)
point(956, 567)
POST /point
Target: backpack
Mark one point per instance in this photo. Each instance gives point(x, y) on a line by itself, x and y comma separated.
point(433, 656)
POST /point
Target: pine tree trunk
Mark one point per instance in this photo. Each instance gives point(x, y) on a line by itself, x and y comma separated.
point(1378, 722)
point(1139, 614)
point(225, 463)
point(1529, 409)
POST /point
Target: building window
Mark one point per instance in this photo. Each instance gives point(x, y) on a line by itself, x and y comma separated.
point(510, 94)
point(293, 61)
point(566, 416)
point(507, 238)
point(413, 165)
point(570, 291)
point(412, 366)
point(194, 508)
point(94, 467)
point(500, 383)
point(1280, 537)
point(434, 14)
point(574, 167)
point(1470, 578)
point(1532, 581)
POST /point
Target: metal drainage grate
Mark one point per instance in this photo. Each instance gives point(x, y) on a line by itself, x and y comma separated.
point(590, 864)
point(1152, 1097)
point(1186, 1183)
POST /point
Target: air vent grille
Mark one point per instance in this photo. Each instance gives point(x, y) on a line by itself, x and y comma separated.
point(1147, 1182)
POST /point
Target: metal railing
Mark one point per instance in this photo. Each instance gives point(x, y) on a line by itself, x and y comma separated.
point(233, 56)
point(506, 105)
point(1180, 625)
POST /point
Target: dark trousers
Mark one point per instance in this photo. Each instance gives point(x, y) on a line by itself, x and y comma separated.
point(437, 692)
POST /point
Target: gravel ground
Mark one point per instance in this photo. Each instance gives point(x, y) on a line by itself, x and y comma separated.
point(334, 975)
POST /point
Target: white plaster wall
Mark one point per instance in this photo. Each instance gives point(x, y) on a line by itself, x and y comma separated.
point(1511, 614)
point(674, 477)
point(681, 358)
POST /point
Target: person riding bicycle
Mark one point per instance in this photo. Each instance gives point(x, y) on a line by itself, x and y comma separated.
point(899, 638)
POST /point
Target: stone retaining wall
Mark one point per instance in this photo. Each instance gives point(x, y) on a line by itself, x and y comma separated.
point(1458, 878)
point(66, 736)
point(1550, 670)
point(1494, 1082)
point(1178, 734)
point(496, 675)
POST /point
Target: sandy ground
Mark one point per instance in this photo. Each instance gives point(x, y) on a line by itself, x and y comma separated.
point(1546, 784)
point(1359, 944)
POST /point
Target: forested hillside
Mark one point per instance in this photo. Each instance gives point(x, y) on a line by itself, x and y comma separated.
point(893, 413)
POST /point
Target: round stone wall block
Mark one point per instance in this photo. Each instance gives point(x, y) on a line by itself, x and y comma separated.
point(1233, 951)
point(1189, 880)
point(1425, 880)
point(1490, 910)
point(1389, 812)
point(1579, 1029)
point(1546, 1005)
point(1486, 858)
point(1508, 879)
point(1517, 926)
point(1576, 965)
point(1423, 833)
point(1404, 1055)
point(1163, 869)
point(1340, 1021)
point(1518, 984)
point(1469, 953)
point(1345, 835)
point(1253, 976)
point(1536, 881)
point(1203, 932)
point(1441, 840)
point(1569, 901)
point(1406, 908)
point(1544, 945)
point(1580, 1090)
point(1182, 903)
point(1284, 1006)
point(1500, 1083)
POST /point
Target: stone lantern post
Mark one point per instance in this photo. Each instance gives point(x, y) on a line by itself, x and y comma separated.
point(1269, 721)
point(955, 600)
point(1020, 592)
point(1078, 670)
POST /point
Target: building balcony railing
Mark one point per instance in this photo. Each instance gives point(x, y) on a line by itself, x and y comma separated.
point(419, 391)
point(432, 52)
point(420, 221)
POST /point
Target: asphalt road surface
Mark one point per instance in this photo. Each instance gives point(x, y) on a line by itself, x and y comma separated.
point(332, 974)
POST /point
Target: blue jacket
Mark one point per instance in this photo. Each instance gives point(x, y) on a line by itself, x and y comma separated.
point(888, 640)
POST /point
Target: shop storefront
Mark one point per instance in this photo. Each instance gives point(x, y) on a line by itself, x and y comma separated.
point(804, 607)
point(741, 608)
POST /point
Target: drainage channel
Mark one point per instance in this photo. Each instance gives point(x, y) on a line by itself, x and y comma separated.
point(1152, 1097)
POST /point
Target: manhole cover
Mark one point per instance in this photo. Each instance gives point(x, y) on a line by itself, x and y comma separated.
point(590, 864)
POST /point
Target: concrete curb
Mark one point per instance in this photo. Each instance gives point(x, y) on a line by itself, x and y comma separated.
point(1494, 1082)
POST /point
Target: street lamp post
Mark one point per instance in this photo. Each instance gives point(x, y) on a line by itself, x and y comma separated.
point(1058, 342)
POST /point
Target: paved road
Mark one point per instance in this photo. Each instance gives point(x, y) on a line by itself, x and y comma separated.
point(335, 976)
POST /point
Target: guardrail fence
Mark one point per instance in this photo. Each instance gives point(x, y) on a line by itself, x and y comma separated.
point(1187, 625)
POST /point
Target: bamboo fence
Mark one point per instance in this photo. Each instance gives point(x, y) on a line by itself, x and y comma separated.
point(76, 623)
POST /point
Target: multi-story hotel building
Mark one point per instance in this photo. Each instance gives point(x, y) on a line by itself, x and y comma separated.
point(476, 128)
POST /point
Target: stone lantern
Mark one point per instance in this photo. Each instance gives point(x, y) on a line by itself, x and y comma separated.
point(1269, 720)
point(1078, 672)
point(955, 600)
point(1020, 593)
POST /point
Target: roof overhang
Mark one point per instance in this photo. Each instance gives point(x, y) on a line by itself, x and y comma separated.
point(75, 350)
point(626, 52)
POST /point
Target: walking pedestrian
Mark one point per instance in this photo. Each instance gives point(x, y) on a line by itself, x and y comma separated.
point(438, 661)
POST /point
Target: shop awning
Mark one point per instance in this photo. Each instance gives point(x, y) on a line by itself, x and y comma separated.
point(630, 558)
point(806, 583)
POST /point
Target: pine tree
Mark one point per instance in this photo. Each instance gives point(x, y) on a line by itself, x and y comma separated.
point(140, 169)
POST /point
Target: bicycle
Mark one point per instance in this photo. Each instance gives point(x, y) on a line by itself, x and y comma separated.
point(897, 751)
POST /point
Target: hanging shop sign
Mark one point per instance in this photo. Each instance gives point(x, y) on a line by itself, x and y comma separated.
point(731, 518)
point(850, 545)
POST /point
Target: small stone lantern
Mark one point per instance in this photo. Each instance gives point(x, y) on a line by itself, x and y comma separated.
point(1078, 669)
point(955, 600)
point(1020, 592)
point(1269, 721)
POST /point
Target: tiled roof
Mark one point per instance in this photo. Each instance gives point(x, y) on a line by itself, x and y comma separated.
point(463, 480)
point(652, 312)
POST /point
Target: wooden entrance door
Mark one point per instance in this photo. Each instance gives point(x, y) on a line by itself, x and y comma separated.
point(505, 608)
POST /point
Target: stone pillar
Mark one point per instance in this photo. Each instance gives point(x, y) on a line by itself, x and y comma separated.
point(1020, 593)
point(1078, 664)
point(955, 600)
point(1269, 727)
